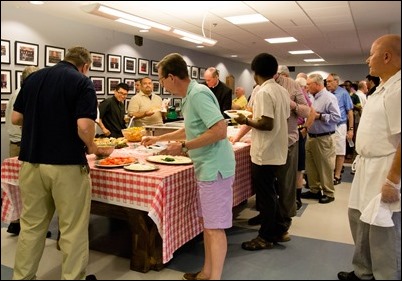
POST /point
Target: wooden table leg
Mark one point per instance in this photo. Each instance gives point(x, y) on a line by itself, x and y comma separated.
point(146, 251)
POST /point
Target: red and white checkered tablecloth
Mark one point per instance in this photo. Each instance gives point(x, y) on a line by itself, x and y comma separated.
point(168, 194)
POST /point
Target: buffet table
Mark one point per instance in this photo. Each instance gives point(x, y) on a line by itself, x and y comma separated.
point(160, 206)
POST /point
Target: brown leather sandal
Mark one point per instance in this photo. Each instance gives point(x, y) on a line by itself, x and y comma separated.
point(257, 244)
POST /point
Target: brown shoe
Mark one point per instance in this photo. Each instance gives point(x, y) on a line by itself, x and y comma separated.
point(193, 276)
point(257, 244)
point(285, 237)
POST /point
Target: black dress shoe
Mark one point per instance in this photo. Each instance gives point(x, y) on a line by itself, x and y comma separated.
point(326, 199)
point(343, 275)
point(311, 195)
point(90, 277)
point(14, 228)
point(255, 220)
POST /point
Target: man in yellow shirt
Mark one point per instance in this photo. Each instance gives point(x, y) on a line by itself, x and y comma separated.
point(240, 102)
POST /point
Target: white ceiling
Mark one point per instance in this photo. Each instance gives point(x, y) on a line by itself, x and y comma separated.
point(341, 32)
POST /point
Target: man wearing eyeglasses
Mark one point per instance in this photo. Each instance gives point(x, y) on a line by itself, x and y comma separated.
point(112, 111)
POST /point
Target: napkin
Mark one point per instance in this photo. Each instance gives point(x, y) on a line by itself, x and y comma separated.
point(379, 213)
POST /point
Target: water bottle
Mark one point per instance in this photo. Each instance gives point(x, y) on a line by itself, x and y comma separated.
point(351, 143)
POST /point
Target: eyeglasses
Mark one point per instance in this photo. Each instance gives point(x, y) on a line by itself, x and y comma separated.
point(122, 93)
point(161, 79)
point(330, 81)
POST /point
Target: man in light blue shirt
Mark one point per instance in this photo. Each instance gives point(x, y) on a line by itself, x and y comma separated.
point(342, 132)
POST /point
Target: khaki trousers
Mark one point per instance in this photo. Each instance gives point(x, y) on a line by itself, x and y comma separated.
point(45, 189)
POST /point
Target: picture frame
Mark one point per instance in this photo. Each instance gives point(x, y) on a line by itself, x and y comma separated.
point(6, 81)
point(177, 103)
point(154, 69)
point(18, 79)
point(99, 84)
point(143, 66)
point(53, 55)
point(126, 104)
point(156, 87)
point(130, 65)
point(111, 84)
point(100, 100)
point(165, 92)
point(194, 72)
point(26, 53)
point(4, 104)
point(113, 63)
point(5, 51)
point(202, 72)
point(131, 85)
point(98, 62)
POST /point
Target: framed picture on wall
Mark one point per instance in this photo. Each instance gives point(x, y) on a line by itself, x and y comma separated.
point(177, 103)
point(5, 51)
point(154, 69)
point(156, 87)
point(18, 79)
point(131, 85)
point(112, 82)
point(99, 84)
point(126, 103)
point(130, 65)
point(143, 66)
point(98, 62)
point(53, 55)
point(194, 72)
point(4, 104)
point(6, 81)
point(202, 72)
point(26, 53)
point(113, 63)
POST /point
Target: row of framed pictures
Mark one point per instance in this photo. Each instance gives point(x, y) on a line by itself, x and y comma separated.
point(28, 53)
point(101, 88)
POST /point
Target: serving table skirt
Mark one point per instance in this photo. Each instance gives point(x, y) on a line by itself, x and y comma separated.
point(163, 202)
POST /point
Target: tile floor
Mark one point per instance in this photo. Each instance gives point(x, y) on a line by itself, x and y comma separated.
point(321, 246)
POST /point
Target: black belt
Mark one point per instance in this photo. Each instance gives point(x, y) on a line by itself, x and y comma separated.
point(320, 135)
point(16, 142)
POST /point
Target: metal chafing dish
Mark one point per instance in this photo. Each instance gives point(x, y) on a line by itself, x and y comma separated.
point(157, 130)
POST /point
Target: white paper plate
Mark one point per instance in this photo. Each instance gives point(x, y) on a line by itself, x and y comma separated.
point(234, 113)
point(141, 167)
point(169, 159)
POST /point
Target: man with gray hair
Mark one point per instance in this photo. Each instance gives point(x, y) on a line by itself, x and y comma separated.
point(283, 70)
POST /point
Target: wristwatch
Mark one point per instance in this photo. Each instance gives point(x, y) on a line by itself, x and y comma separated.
point(184, 148)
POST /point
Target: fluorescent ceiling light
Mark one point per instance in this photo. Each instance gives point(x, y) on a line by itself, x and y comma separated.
point(189, 35)
point(247, 19)
point(301, 52)
point(314, 60)
point(37, 2)
point(191, 40)
point(132, 23)
point(114, 14)
point(281, 40)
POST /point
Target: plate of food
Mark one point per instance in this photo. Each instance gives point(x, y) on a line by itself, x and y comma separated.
point(169, 159)
point(115, 162)
point(235, 113)
point(141, 167)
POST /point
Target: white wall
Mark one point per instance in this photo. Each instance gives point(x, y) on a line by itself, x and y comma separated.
point(21, 25)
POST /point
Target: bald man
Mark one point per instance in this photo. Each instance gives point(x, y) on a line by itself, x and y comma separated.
point(222, 92)
point(376, 229)
point(240, 102)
